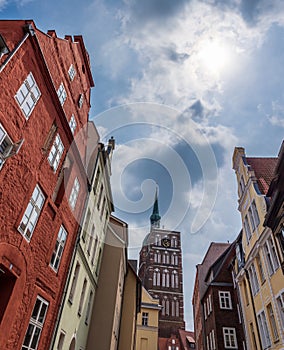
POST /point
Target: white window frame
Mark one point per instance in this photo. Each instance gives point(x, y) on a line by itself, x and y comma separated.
point(58, 249)
point(74, 283)
point(28, 95)
point(272, 322)
point(253, 279)
point(88, 311)
point(6, 146)
point(280, 304)
point(36, 324)
point(263, 329)
point(56, 152)
point(225, 300)
point(145, 319)
point(230, 338)
point(271, 256)
point(72, 124)
point(82, 297)
point(62, 94)
point(74, 193)
point(71, 72)
point(32, 213)
point(247, 229)
point(81, 100)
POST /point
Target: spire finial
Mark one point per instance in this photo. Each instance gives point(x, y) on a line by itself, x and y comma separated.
point(155, 217)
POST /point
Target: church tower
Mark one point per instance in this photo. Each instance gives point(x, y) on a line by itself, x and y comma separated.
point(160, 269)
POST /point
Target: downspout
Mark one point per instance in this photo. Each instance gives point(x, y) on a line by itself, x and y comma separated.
point(253, 306)
point(14, 51)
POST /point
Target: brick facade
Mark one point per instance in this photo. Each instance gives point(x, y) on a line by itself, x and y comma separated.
point(26, 274)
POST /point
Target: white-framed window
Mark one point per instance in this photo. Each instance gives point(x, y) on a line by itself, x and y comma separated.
point(74, 282)
point(253, 279)
point(174, 279)
point(251, 219)
point(32, 213)
point(61, 93)
point(94, 251)
point(74, 193)
point(71, 72)
point(35, 325)
point(145, 318)
point(280, 304)
point(82, 297)
point(28, 95)
point(72, 124)
point(272, 322)
point(7, 147)
point(230, 338)
point(264, 332)
point(225, 300)
point(260, 268)
point(209, 303)
point(88, 311)
point(58, 249)
point(56, 152)
point(271, 256)
point(81, 100)
point(247, 229)
point(91, 238)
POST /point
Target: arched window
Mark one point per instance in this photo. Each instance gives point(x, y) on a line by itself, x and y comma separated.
point(156, 277)
point(163, 307)
point(158, 257)
point(174, 279)
point(173, 308)
point(166, 278)
point(177, 308)
point(157, 240)
point(174, 241)
point(167, 258)
point(167, 307)
point(155, 257)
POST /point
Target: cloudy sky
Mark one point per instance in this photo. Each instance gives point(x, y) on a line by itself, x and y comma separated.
point(179, 84)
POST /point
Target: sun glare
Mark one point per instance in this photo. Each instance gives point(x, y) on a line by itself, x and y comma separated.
point(214, 56)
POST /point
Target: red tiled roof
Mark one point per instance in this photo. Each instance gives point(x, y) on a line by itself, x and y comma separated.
point(264, 171)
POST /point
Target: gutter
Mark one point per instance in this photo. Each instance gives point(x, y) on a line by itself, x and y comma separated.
point(14, 51)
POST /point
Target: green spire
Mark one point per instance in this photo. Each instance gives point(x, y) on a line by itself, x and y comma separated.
point(155, 217)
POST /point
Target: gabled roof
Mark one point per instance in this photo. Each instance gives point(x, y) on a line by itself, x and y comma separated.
point(264, 171)
point(214, 251)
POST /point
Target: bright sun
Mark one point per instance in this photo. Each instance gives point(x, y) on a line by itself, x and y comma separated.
point(214, 56)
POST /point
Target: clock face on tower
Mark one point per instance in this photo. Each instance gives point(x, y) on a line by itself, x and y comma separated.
point(166, 242)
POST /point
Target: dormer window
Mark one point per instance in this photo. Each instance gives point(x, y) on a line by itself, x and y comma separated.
point(4, 50)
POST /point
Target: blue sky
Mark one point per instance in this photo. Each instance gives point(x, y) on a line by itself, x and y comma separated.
point(179, 84)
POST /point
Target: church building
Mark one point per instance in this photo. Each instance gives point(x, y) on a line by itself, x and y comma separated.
point(160, 269)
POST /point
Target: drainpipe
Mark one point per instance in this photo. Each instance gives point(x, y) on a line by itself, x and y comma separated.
point(14, 51)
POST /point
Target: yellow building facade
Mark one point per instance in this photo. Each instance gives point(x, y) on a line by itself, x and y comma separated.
point(257, 270)
point(147, 323)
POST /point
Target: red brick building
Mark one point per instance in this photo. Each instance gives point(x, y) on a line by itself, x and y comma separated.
point(220, 315)
point(160, 270)
point(44, 101)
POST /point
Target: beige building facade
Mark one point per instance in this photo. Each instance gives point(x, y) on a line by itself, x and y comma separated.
point(147, 323)
point(257, 270)
point(76, 314)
